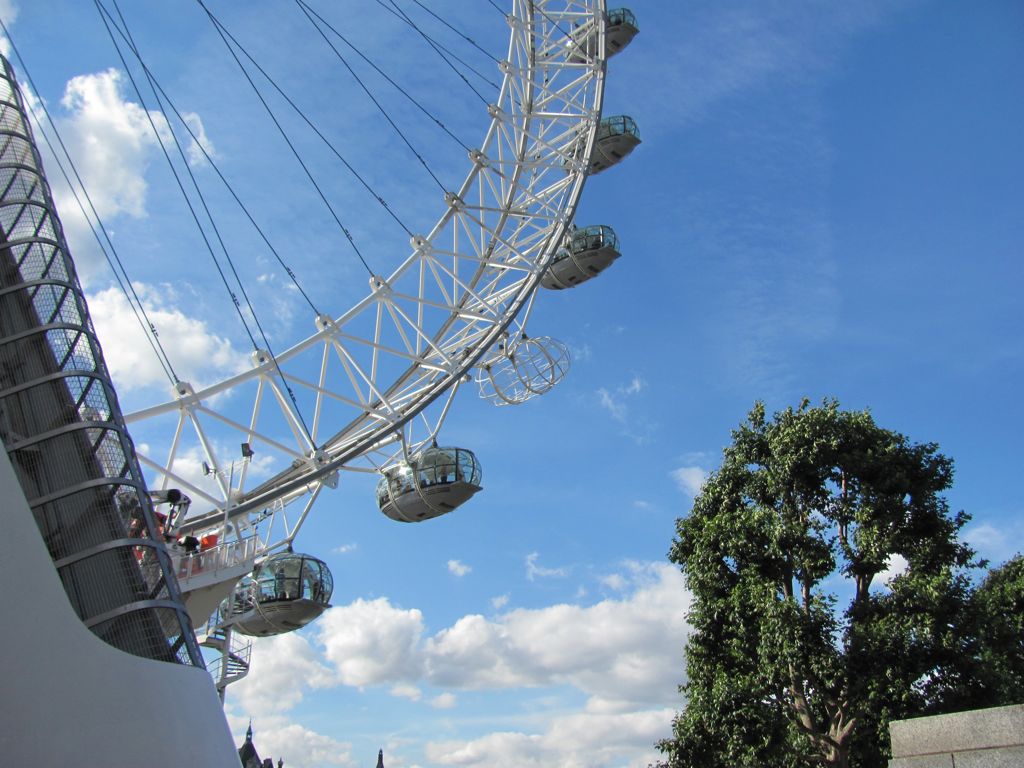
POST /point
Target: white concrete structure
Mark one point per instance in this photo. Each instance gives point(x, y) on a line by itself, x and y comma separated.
point(71, 699)
point(980, 738)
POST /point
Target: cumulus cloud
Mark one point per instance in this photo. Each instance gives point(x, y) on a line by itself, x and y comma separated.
point(620, 649)
point(623, 654)
point(997, 544)
point(585, 740)
point(614, 581)
point(282, 667)
point(534, 571)
point(445, 700)
point(371, 642)
point(278, 737)
point(112, 142)
point(895, 566)
point(499, 602)
point(199, 146)
point(689, 479)
point(8, 12)
point(197, 353)
point(410, 692)
point(457, 568)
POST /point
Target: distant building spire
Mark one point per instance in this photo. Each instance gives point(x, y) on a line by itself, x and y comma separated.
point(380, 759)
point(248, 733)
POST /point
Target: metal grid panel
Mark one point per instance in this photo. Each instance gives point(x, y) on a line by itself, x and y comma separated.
point(62, 426)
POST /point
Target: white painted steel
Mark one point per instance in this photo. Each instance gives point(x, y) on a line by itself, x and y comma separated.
point(363, 375)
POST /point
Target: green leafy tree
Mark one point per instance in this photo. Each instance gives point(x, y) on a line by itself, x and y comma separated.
point(794, 658)
point(999, 605)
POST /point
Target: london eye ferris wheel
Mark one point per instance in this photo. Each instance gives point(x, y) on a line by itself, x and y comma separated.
point(369, 389)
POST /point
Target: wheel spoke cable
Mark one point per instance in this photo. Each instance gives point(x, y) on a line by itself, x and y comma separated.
point(383, 74)
point(105, 15)
point(226, 36)
point(458, 32)
point(443, 52)
point(162, 94)
point(402, 136)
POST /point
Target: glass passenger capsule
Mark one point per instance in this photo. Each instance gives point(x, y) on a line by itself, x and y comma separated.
point(283, 593)
point(619, 31)
point(432, 483)
point(590, 251)
point(616, 138)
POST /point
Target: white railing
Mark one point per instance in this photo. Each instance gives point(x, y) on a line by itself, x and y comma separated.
point(232, 664)
point(227, 554)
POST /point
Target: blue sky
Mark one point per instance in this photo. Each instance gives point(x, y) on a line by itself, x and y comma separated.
point(827, 202)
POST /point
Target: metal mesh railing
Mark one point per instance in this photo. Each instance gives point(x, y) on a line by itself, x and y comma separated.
point(62, 426)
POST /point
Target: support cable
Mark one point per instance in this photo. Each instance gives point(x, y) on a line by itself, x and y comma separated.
point(149, 329)
point(202, 200)
point(160, 92)
point(226, 36)
point(441, 51)
point(555, 24)
point(423, 162)
point(461, 34)
point(383, 74)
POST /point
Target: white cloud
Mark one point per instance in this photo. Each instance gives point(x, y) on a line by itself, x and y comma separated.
point(445, 700)
point(457, 568)
point(277, 737)
point(585, 740)
point(624, 649)
point(624, 654)
point(281, 667)
point(411, 692)
point(895, 566)
point(372, 641)
point(614, 581)
point(344, 549)
point(8, 12)
point(614, 402)
point(112, 143)
point(641, 504)
point(610, 404)
point(997, 544)
point(198, 354)
point(533, 570)
point(499, 602)
point(689, 479)
point(618, 649)
point(194, 152)
point(635, 386)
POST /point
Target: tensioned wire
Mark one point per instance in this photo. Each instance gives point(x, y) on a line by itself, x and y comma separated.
point(162, 94)
point(306, 12)
point(458, 32)
point(383, 74)
point(149, 329)
point(232, 42)
point(225, 34)
point(441, 51)
point(104, 15)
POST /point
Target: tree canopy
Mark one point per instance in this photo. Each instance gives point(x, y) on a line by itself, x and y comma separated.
point(831, 594)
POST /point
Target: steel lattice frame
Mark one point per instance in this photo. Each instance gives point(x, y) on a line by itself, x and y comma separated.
point(421, 330)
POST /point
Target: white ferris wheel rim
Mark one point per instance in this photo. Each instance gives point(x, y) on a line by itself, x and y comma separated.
point(449, 302)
